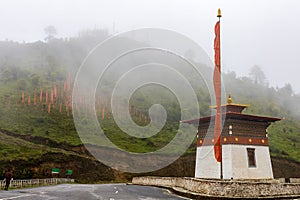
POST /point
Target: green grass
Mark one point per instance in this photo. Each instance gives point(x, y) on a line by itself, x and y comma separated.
point(284, 136)
point(284, 139)
point(33, 121)
point(12, 148)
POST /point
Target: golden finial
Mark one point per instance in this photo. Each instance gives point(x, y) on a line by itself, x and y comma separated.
point(229, 100)
point(219, 13)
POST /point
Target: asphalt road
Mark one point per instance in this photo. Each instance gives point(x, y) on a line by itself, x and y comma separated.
point(90, 192)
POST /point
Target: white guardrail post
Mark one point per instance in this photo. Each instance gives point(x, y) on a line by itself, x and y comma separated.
point(36, 182)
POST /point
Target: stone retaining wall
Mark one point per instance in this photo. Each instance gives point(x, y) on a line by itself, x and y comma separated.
point(225, 188)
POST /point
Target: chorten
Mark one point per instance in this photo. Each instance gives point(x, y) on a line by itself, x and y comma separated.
point(244, 141)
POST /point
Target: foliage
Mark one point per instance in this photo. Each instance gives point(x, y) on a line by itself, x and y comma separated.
point(38, 65)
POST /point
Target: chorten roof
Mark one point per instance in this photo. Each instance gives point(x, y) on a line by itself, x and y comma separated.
point(233, 111)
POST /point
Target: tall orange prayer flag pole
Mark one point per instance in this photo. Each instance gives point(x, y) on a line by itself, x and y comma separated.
point(217, 87)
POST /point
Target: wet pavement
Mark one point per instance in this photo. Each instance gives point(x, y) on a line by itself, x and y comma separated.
point(90, 192)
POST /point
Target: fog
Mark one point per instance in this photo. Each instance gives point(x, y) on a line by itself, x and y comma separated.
point(264, 33)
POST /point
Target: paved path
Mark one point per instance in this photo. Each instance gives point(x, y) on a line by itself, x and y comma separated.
point(90, 192)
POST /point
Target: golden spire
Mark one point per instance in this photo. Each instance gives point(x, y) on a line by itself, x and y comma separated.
point(229, 100)
point(219, 13)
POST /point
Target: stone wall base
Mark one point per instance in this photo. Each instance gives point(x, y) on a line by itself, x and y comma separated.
point(222, 189)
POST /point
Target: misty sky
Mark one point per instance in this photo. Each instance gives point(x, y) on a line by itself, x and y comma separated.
point(254, 32)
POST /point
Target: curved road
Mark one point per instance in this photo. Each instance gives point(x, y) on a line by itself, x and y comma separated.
point(90, 192)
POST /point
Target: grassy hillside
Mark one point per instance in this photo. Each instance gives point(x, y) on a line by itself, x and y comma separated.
point(32, 120)
point(284, 139)
point(54, 133)
point(12, 148)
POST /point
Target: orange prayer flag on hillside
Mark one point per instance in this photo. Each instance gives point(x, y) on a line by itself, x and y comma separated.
point(103, 112)
point(217, 87)
point(69, 86)
point(46, 97)
point(54, 91)
point(52, 97)
point(34, 100)
point(49, 108)
point(69, 81)
point(41, 96)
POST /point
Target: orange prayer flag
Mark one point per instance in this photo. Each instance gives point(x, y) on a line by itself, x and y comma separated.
point(217, 87)
point(46, 97)
point(41, 96)
point(52, 97)
point(55, 91)
point(49, 108)
point(103, 112)
point(34, 100)
point(69, 86)
point(217, 45)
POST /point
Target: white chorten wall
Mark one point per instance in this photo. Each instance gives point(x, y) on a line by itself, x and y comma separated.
point(206, 164)
point(235, 162)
